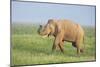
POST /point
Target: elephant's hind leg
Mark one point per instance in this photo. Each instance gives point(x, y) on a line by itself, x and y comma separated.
point(78, 47)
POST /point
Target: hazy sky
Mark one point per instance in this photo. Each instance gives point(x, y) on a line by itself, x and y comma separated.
point(41, 12)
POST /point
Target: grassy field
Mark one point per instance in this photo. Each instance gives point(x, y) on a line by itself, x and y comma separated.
point(30, 48)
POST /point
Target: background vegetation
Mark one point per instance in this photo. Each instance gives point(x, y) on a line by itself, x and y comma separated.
point(30, 48)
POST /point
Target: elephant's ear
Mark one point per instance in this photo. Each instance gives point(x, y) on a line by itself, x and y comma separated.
point(58, 28)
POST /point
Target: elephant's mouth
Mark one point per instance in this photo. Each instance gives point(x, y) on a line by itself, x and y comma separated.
point(45, 35)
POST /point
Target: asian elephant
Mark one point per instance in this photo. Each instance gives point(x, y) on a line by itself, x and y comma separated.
point(63, 30)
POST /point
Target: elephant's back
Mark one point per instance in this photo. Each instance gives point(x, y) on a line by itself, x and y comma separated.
point(70, 29)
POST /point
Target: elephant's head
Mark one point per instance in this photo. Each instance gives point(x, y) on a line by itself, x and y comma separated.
point(47, 29)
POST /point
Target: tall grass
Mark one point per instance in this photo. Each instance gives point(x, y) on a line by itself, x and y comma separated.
point(30, 48)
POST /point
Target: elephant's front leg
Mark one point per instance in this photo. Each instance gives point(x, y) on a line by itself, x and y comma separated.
point(55, 45)
point(58, 43)
point(61, 46)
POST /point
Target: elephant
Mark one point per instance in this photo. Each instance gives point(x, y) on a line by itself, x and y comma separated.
point(63, 30)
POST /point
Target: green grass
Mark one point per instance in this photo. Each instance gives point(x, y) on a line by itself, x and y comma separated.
point(30, 48)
